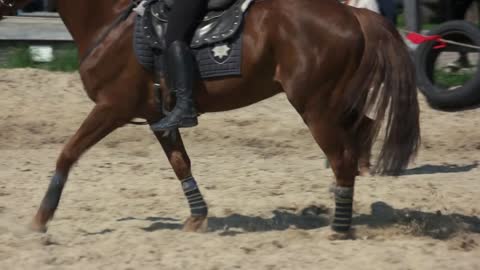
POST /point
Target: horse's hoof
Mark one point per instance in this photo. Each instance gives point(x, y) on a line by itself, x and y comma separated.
point(342, 235)
point(196, 224)
point(37, 227)
point(364, 171)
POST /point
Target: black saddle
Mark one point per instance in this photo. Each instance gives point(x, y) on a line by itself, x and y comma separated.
point(221, 23)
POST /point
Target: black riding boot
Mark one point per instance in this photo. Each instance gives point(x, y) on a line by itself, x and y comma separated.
point(179, 74)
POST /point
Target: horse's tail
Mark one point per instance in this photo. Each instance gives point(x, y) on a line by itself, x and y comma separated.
point(385, 85)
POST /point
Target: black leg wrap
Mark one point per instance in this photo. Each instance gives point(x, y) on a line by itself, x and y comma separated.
point(343, 209)
point(198, 207)
point(52, 198)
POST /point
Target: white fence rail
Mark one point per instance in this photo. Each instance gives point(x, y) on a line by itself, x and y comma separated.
point(33, 28)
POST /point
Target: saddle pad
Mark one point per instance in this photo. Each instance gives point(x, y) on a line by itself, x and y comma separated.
point(215, 60)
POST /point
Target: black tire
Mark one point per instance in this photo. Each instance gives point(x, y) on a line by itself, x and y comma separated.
point(463, 97)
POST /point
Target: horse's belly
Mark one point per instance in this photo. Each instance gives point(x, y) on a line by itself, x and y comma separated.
point(230, 94)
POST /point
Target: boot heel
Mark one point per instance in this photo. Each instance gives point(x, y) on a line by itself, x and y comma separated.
point(188, 122)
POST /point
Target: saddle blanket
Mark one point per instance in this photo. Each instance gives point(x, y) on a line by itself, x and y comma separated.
point(215, 60)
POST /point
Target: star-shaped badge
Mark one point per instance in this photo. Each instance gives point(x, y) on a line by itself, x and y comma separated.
point(221, 51)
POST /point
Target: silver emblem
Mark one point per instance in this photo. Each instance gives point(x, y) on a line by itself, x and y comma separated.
point(221, 53)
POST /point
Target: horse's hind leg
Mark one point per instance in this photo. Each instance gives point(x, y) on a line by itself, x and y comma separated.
point(173, 146)
point(342, 154)
point(102, 120)
point(365, 145)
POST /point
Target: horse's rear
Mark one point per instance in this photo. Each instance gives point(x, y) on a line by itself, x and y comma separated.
point(337, 64)
point(331, 61)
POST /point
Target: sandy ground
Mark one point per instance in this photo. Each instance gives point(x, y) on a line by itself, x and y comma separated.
point(262, 175)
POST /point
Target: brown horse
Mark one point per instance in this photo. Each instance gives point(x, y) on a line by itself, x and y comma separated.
point(334, 63)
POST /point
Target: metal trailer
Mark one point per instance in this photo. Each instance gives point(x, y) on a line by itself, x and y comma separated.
point(412, 15)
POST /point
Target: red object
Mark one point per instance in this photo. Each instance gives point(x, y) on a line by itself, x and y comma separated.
point(419, 39)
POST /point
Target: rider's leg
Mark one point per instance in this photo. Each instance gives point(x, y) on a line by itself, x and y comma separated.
point(179, 72)
point(388, 10)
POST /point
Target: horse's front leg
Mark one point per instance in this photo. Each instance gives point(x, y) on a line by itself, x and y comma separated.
point(103, 119)
point(173, 146)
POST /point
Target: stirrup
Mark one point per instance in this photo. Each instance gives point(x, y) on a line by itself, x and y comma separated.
point(187, 122)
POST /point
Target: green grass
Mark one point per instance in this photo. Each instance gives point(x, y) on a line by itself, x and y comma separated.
point(402, 24)
point(65, 59)
point(449, 79)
